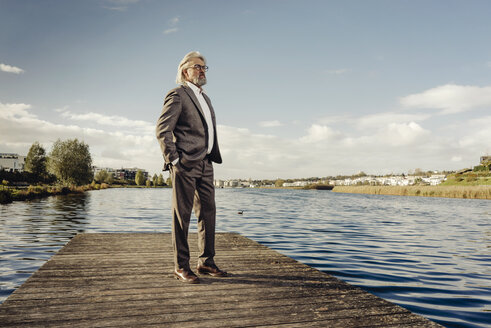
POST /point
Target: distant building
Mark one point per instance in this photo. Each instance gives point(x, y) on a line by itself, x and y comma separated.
point(129, 173)
point(107, 169)
point(398, 180)
point(232, 183)
point(219, 183)
point(12, 162)
point(435, 179)
point(296, 184)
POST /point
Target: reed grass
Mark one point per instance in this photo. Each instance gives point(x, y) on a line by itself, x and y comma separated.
point(10, 194)
point(471, 192)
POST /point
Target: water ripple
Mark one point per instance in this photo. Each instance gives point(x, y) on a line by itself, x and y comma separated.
point(430, 255)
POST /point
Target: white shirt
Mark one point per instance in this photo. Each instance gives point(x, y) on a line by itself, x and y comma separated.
point(206, 110)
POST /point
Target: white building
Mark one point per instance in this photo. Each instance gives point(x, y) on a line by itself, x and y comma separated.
point(296, 184)
point(219, 183)
point(435, 179)
point(398, 180)
point(232, 183)
point(12, 162)
point(107, 169)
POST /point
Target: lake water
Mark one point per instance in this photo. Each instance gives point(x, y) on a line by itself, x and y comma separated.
point(430, 255)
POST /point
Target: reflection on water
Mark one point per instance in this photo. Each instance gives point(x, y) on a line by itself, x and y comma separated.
point(430, 255)
point(32, 231)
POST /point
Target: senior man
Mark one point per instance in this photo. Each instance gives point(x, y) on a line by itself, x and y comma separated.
point(186, 131)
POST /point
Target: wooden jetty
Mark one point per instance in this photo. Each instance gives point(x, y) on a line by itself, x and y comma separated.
point(125, 280)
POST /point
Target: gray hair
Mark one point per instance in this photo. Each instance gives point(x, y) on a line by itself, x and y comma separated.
point(181, 79)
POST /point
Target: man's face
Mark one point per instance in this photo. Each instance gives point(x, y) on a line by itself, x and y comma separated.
point(194, 75)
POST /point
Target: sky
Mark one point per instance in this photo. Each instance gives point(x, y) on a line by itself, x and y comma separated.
point(300, 88)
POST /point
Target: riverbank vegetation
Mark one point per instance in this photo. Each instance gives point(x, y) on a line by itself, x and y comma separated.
point(473, 184)
point(10, 194)
point(472, 192)
point(471, 178)
point(66, 169)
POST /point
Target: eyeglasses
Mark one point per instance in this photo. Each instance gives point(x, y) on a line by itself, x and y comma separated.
point(200, 68)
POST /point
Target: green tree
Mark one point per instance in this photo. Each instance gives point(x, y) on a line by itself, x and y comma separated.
point(109, 179)
point(155, 179)
point(160, 180)
point(104, 176)
point(36, 161)
point(70, 161)
point(148, 183)
point(169, 181)
point(279, 183)
point(139, 178)
point(101, 176)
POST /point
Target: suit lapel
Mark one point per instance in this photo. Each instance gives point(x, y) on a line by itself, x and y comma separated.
point(191, 95)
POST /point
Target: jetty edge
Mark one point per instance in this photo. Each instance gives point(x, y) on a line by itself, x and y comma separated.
point(125, 279)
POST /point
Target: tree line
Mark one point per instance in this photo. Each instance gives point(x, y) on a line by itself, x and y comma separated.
point(70, 164)
point(157, 180)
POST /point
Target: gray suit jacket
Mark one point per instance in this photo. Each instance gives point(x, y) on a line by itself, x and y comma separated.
point(182, 131)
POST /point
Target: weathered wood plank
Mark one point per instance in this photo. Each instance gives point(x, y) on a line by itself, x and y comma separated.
point(114, 280)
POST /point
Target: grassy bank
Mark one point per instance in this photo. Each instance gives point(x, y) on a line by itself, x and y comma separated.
point(474, 192)
point(10, 194)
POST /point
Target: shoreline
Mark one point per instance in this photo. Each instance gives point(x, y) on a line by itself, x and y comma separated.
point(465, 192)
point(10, 194)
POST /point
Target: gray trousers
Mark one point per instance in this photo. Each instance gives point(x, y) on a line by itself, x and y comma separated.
point(193, 188)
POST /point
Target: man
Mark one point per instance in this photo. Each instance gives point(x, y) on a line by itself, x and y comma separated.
point(186, 131)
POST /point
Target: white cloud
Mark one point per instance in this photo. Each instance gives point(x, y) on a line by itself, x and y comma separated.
point(113, 120)
point(270, 124)
point(11, 111)
point(450, 98)
point(322, 152)
point(318, 133)
point(395, 146)
point(334, 119)
point(483, 120)
point(246, 154)
point(10, 69)
point(139, 148)
point(402, 134)
point(479, 135)
point(171, 30)
point(383, 119)
point(173, 23)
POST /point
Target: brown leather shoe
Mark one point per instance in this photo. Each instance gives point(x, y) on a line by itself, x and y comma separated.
point(186, 276)
point(212, 270)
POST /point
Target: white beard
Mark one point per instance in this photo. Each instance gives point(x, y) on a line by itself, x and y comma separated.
point(199, 82)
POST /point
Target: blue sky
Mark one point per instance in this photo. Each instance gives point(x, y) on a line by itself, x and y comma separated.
point(300, 88)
